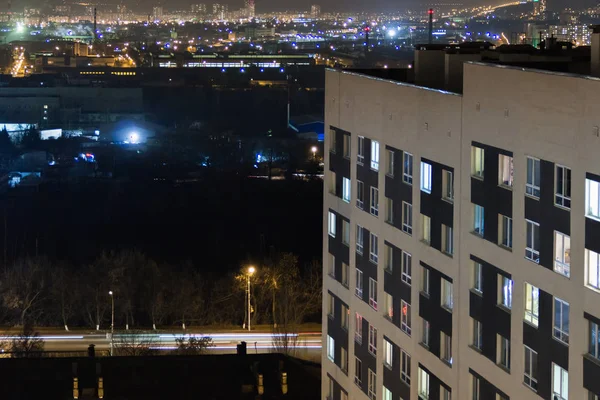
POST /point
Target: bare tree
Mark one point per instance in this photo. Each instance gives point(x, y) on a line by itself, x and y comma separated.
point(187, 289)
point(95, 289)
point(135, 343)
point(23, 288)
point(192, 345)
point(64, 294)
point(27, 344)
point(154, 293)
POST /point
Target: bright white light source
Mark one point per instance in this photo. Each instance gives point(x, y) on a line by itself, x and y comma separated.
point(391, 33)
point(134, 137)
point(20, 27)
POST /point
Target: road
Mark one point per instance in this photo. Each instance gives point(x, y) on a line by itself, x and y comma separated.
point(307, 344)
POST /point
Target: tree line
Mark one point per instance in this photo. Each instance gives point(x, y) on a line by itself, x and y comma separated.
point(147, 294)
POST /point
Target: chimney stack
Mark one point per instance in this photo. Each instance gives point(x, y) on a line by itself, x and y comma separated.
point(430, 12)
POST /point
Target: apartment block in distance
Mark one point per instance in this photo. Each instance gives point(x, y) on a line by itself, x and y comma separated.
point(462, 237)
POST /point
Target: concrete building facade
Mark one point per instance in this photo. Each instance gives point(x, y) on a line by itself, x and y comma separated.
point(460, 253)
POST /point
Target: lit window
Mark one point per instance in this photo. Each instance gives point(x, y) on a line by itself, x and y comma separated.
point(592, 269)
point(505, 234)
point(477, 277)
point(406, 275)
point(330, 348)
point(345, 274)
point(592, 396)
point(447, 185)
point(447, 240)
point(388, 305)
point(374, 201)
point(360, 158)
point(344, 317)
point(594, 340)
point(563, 187)
point(425, 177)
point(505, 170)
point(530, 376)
point(477, 158)
point(373, 293)
point(426, 223)
point(359, 239)
point(446, 350)
point(346, 146)
point(359, 284)
point(445, 393)
point(344, 360)
point(504, 352)
point(375, 155)
point(505, 291)
point(407, 168)
point(423, 384)
point(532, 187)
point(407, 218)
point(372, 339)
point(425, 280)
point(390, 163)
point(532, 249)
point(560, 383)
point(561, 320)
point(389, 210)
point(346, 189)
point(344, 395)
point(532, 305)
point(387, 394)
point(331, 224)
point(405, 322)
point(478, 220)
point(346, 232)
point(389, 257)
point(371, 391)
point(360, 195)
point(476, 387)
point(592, 199)
point(562, 254)
point(447, 296)
point(357, 371)
point(373, 248)
point(330, 390)
point(388, 353)
point(477, 334)
point(405, 367)
point(425, 333)
point(332, 140)
point(358, 328)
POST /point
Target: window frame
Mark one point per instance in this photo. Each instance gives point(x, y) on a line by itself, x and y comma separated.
point(562, 199)
point(503, 352)
point(388, 353)
point(375, 153)
point(360, 239)
point(530, 252)
point(388, 257)
point(478, 220)
point(591, 269)
point(531, 188)
point(372, 348)
point(360, 195)
point(372, 385)
point(345, 275)
point(330, 306)
point(477, 276)
point(477, 335)
point(373, 293)
point(330, 348)
point(563, 376)
point(425, 281)
point(445, 347)
point(345, 232)
point(360, 150)
point(477, 163)
point(347, 145)
point(502, 158)
point(505, 236)
point(593, 345)
point(447, 295)
point(357, 371)
point(505, 297)
point(390, 163)
point(374, 201)
point(389, 210)
point(405, 317)
point(425, 332)
point(562, 267)
point(407, 168)
point(528, 378)
point(406, 275)
point(448, 185)
point(426, 231)
point(358, 328)
point(447, 240)
point(405, 367)
point(346, 189)
point(358, 290)
point(331, 224)
point(407, 226)
point(426, 176)
point(532, 298)
point(373, 248)
point(423, 382)
point(561, 328)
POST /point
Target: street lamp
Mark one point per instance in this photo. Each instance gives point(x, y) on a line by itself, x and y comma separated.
point(251, 270)
point(112, 323)
point(314, 152)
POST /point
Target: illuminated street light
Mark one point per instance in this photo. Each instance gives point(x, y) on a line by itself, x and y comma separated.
point(112, 324)
point(314, 152)
point(251, 271)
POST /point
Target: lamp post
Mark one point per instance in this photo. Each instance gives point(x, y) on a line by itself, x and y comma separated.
point(112, 323)
point(314, 152)
point(251, 271)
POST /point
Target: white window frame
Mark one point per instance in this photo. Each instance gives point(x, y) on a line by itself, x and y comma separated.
point(344, 360)
point(374, 155)
point(505, 291)
point(477, 339)
point(331, 348)
point(560, 389)
point(528, 379)
point(387, 394)
point(532, 304)
point(388, 353)
point(532, 188)
point(345, 274)
point(360, 194)
point(448, 185)
point(594, 343)
point(426, 171)
point(346, 189)
point(330, 306)
point(344, 317)
point(360, 237)
point(592, 269)
point(332, 183)
point(477, 285)
point(331, 267)
point(447, 298)
point(562, 259)
point(426, 224)
point(388, 257)
point(405, 367)
point(345, 232)
point(407, 218)
point(373, 248)
point(374, 201)
point(503, 352)
point(475, 387)
point(358, 319)
point(561, 327)
point(562, 195)
point(425, 333)
point(389, 210)
point(372, 340)
point(477, 162)
point(425, 280)
point(406, 275)
point(478, 220)
point(405, 318)
point(505, 165)
point(446, 347)
point(331, 226)
point(373, 293)
point(389, 305)
point(592, 199)
point(423, 390)
point(531, 253)
point(407, 168)
point(371, 386)
point(505, 225)
point(358, 290)
point(447, 240)
point(347, 145)
point(360, 151)
point(390, 163)
point(357, 371)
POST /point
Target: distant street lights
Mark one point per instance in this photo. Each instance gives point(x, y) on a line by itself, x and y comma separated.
point(112, 323)
point(314, 152)
point(251, 271)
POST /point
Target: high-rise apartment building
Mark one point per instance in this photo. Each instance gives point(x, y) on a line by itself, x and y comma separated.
point(539, 7)
point(315, 11)
point(461, 238)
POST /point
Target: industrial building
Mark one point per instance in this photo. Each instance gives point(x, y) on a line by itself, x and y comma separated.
point(451, 221)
